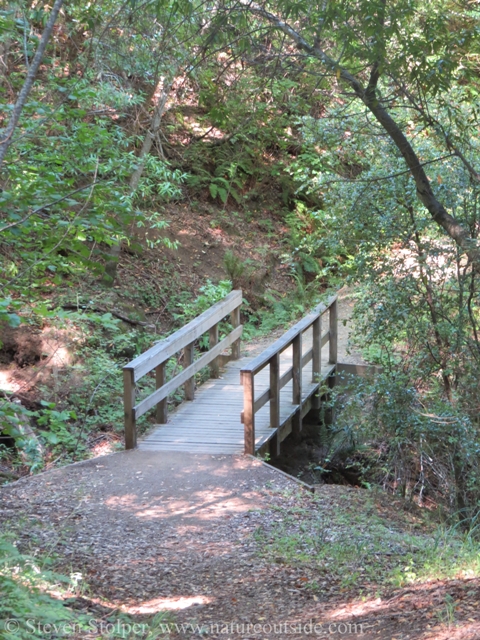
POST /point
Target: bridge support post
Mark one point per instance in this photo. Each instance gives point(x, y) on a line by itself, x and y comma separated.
point(129, 413)
point(235, 320)
point(189, 386)
point(161, 413)
point(297, 384)
point(247, 380)
point(329, 416)
point(275, 446)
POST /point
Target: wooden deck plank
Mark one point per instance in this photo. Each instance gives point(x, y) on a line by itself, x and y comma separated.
point(211, 423)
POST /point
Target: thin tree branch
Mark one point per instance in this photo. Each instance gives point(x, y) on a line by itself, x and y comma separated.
point(390, 176)
point(425, 193)
point(47, 206)
point(28, 84)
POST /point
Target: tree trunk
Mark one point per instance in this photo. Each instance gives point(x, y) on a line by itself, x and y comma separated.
point(28, 84)
point(114, 253)
point(368, 96)
point(165, 86)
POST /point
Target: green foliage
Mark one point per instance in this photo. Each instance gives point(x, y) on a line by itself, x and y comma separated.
point(23, 583)
point(314, 251)
point(210, 293)
point(250, 113)
point(13, 417)
point(280, 311)
point(227, 180)
point(416, 311)
point(57, 431)
point(419, 445)
point(6, 312)
point(96, 381)
point(66, 189)
point(234, 267)
point(28, 608)
point(349, 542)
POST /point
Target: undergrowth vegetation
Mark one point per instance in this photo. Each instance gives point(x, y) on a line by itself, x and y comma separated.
point(168, 152)
point(350, 541)
point(38, 602)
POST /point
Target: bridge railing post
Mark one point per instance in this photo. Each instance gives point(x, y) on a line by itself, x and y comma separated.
point(297, 382)
point(333, 338)
point(189, 386)
point(235, 321)
point(275, 391)
point(332, 354)
point(316, 357)
point(129, 411)
point(275, 401)
point(212, 341)
point(248, 383)
point(162, 411)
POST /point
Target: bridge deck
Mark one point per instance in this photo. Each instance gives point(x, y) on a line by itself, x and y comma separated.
point(212, 423)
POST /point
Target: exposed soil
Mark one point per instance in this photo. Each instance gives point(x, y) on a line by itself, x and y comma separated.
point(152, 282)
point(347, 352)
point(155, 532)
point(202, 241)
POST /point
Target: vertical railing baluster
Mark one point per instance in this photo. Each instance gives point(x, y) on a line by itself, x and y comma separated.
point(161, 411)
point(128, 404)
point(247, 381)
point(189, 385)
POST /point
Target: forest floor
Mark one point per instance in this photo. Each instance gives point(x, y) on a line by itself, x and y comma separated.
point(229, 547)
point(152, 283)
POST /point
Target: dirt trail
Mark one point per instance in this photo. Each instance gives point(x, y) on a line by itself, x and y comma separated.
point(186, 535)
point(346, 351)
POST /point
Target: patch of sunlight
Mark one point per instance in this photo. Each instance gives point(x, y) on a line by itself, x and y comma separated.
point(6, 383)
point(166, 604)
point(357, 609)
point(104, 448)
point(459, 633)
point(202, 505)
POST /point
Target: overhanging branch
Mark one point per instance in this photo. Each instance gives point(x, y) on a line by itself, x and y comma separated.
point(425, 193)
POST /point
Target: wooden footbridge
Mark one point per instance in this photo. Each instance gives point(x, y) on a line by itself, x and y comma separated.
point(250, 405)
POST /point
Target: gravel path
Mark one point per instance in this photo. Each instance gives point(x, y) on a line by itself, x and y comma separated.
point(178, 533)
point(188, 536)
point(153, 532)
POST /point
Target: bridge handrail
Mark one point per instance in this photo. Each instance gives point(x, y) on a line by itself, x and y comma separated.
point(261, 361)
point(157, 356)
point(271, 356)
